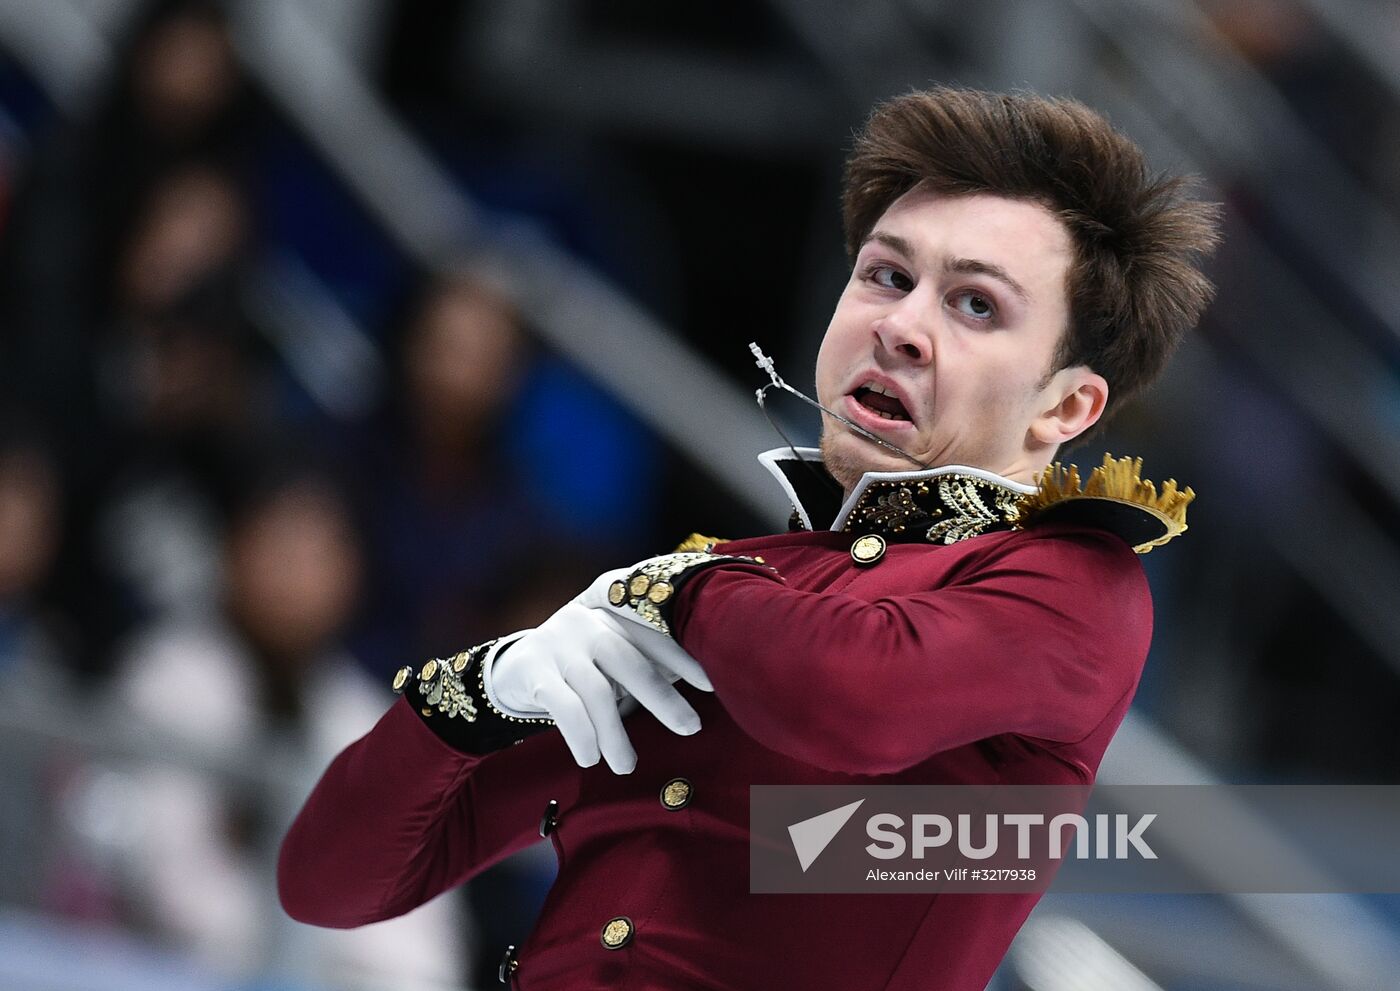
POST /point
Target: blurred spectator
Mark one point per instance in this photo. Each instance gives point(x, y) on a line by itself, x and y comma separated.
point(267, 667)
point(183, 71)
point(463, 358)
point(193, 225)
point(445, 510)
point(177, 354)
point(30, 532)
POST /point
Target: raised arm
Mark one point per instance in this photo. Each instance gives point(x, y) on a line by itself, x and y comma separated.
point(1042, 638)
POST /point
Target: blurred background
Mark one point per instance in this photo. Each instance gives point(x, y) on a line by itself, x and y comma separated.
point(339, 334)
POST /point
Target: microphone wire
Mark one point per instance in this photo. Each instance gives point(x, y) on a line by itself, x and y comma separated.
point(766, 364)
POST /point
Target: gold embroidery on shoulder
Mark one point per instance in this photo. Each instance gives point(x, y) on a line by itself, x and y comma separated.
point(697, 543)
point(1117, 480)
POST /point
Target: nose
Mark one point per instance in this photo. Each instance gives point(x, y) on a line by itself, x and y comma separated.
point(900, 331)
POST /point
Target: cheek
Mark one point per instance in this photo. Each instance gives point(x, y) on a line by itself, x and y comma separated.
point(985, 382)
point(825, 376)
point(1015, 397)
point(831, 363)
point(841, 344)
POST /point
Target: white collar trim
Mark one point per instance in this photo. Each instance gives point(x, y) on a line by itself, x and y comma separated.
point(771, 459)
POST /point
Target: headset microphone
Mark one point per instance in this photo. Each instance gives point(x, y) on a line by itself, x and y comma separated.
point(766, 363)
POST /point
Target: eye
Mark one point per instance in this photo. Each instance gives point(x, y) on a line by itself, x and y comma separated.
point(888, 277)
point(976, 305)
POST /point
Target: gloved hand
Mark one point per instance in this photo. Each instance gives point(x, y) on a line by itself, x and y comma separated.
point(568, 667)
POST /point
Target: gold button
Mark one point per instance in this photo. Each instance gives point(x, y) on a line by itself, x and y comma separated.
point(638, 586)
point(660, 592)
point(617, 593)
point(868, 549)
point(617, 933)
point(676, 794)
point(429, 671)
point(460, 662)
point(401, 678)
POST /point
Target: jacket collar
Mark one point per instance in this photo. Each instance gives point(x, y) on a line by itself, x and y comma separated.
point(938, 505)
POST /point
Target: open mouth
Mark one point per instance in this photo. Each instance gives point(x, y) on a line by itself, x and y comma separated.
point(880, 401)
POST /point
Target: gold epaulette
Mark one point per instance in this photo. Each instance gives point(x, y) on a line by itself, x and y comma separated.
point(697, 543)
point(1115, 497)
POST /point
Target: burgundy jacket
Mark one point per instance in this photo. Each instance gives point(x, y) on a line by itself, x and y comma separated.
point(1010, 655)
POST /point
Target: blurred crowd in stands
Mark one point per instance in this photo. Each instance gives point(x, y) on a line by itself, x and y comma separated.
point(193, 537)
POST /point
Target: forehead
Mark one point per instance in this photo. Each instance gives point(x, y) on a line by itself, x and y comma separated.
point(1021, 236)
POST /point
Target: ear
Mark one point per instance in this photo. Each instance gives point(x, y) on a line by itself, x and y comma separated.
point(1079, 396)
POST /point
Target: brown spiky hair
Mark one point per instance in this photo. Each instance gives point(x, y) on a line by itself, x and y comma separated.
point(1134, 285)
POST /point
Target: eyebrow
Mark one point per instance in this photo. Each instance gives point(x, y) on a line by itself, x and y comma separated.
point(961, 266)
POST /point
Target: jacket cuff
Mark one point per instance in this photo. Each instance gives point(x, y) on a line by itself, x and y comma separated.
point(450, 698)
point(648, 593)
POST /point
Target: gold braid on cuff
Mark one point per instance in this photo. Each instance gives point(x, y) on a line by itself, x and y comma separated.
point(653, 583)
point(442, 685)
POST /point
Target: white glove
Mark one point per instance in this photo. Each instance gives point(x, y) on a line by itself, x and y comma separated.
point(670, 657)
point(569, 665)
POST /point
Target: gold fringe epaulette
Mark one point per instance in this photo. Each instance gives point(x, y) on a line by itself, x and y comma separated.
point(1115, 497)
point(697, 543)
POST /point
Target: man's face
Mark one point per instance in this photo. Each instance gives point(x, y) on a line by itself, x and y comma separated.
point(953, 311)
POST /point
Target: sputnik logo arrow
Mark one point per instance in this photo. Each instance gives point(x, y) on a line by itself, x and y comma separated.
point(811, 836)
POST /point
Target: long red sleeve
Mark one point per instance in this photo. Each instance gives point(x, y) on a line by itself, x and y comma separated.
point(1040, 633)
point(400, 816)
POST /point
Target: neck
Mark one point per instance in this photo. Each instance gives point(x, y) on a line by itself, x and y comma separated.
point(1026, 474)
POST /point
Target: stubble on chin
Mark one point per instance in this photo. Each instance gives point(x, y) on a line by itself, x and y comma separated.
point(840, 462)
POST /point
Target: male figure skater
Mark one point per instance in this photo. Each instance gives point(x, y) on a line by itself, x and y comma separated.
point(948, 607)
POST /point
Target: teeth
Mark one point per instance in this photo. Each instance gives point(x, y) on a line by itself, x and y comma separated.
point(877, 387)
